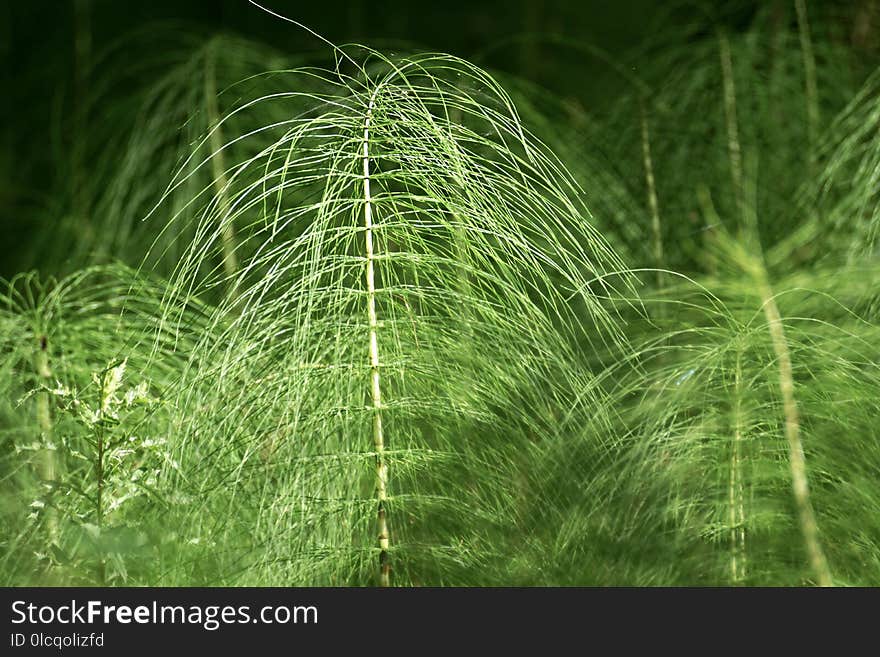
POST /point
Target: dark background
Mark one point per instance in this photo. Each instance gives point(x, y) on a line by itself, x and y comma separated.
point(48, 48)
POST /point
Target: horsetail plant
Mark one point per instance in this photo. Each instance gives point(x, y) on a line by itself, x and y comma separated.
point(748, 255)
point(168, 105)
point(386, 185)
point(376, 336)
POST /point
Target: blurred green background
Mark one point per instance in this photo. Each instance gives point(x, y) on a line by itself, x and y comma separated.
point(50, 51)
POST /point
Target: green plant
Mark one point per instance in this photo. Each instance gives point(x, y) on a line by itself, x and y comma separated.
point(164, 108)
point(846, 191)
point(108, 470)
point(377, 336)
point(56, 334)
point(403, 225)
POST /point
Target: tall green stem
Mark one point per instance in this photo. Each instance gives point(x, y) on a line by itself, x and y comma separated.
point(652, 196)
point(218, 168)
point(82, 54)
point(730, 114)
point(812, 87)
point(100, 448)
point(48, 465)
point(736, 496)
point(99, 502)
point(375, 387)
point(796, 459)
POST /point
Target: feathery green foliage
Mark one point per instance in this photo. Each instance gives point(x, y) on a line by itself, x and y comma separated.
point(848, 185)
point(402, 226)
point(170, 102)
point(59, 338)
point(394, 324)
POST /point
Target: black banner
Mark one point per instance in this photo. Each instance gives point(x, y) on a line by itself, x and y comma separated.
point(117, 621)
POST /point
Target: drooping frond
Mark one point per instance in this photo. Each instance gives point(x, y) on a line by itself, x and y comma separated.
point(183, 84)
point(401, 230)
point(848, 190)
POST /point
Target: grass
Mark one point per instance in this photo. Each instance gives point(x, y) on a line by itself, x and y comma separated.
point(400, 321)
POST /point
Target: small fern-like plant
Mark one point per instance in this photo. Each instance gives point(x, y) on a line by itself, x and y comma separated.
point(108, 468)
point(68, 430)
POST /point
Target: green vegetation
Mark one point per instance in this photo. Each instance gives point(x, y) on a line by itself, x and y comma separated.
point(391, 318)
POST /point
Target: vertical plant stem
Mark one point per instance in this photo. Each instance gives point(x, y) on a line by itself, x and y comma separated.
point(812, 87)
point(736, 497)
point(730, 113)
point(111, 380)
point(754, 263)
point(99, 501)
point(99, 478)
point(48, 465)
point(375, 387)
point(218, 168)
point(796, 459)
point(652, 196)
point(44, 416)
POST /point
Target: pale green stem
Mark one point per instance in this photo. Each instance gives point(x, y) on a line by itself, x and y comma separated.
point(375, 387)
point(796, 459)
point(82, 51)
point(218, 169)
point(100, 448)
point(47, 462)
point(812, 87)
point(652, 197)
point(736, 501)
point(730, 114)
